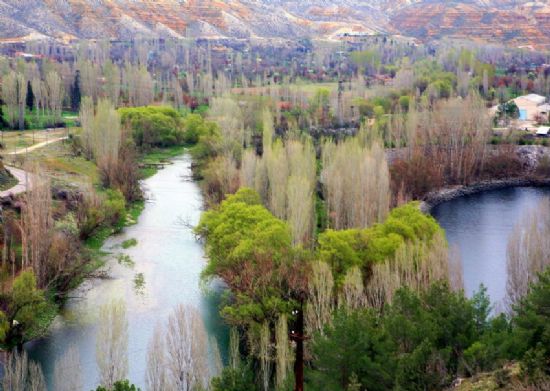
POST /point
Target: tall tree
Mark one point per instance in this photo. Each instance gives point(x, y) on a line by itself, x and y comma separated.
point(112, 343)
point(76, 95)
point(21, 374)
point(54, 88)
point(30, 96)
point(14, 94)
point(186, 344)
point(67, 372)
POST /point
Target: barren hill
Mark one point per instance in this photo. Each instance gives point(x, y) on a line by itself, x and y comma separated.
point(517, 22)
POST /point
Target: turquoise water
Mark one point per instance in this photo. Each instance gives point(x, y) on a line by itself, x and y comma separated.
point(169, 259)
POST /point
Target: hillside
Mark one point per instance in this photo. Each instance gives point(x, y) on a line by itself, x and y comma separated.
point(518, 22)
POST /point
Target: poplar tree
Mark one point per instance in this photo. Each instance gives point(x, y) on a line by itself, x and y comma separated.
point(76, 96)
point(30, 96)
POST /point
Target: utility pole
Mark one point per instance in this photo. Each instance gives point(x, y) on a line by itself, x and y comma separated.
point(298, 336)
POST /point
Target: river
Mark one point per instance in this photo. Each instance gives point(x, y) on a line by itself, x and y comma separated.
point(167, 262)
point(170, 261)
point(478, 226)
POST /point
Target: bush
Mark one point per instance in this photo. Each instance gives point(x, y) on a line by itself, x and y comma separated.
point(415, 177)
point(115, 209)
point(153, 126)
point(504, 164)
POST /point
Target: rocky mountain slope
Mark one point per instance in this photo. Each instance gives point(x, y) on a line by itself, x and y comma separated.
point(517, 22)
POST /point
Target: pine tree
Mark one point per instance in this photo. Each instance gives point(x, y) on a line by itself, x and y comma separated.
point(30, 96)
point(76, 95)
point(3, 123)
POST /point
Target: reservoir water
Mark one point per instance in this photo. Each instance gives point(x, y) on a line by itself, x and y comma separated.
point(478, 226)
point(167, 262)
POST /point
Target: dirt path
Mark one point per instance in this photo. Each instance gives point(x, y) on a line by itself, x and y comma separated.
point(36, 146)
point(22, 176)
point(23, 179)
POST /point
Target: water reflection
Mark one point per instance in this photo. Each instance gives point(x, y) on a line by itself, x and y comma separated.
point(160, 271)
point(479, 226)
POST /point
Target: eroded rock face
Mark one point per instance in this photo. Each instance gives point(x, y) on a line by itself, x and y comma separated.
point(517, 22)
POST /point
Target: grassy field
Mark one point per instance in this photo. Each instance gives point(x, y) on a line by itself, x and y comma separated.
point(16, 141)
point(34, 120)
point(58, 161)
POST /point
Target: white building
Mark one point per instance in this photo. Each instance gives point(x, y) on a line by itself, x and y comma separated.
point(531, 106)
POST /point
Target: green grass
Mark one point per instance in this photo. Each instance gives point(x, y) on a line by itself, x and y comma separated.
point(7, 181)
point(34, 121)
point(162, 154)
point(125, 260)
point(133, 212)
point(96, 240)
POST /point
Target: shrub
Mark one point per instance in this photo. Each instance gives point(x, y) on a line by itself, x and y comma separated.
point(154, 126)
point(115, 209)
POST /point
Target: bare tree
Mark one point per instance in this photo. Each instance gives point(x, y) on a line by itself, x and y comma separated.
point(67, 372)
point(320, 304)
point(54, 87)
point(415, 265)
point(38, 87)
point(87, 121)
point(186, 344)
point(21, 374)
point(102, 136)
point(352, 295)
point(265, 354)
point(14, 93)
point(234, 351)
point(528, 251)
point(284, 352)
point(356, 183)
point(155, 379)
point(112, 75)
point(37, 224)
point(112, 343)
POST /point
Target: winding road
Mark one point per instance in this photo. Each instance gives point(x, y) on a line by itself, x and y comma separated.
point(22, 176)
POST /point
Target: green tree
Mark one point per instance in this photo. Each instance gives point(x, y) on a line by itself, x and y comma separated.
point(532, 329)
point(76, 95)
point(354, 348)
point(30, 97)
point(153, 126)
point(123, 385)
point(26, 306)
point(251, 250)
point(240, 378)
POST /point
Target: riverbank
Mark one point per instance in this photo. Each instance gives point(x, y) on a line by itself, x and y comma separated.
point(161, 269)
point(450, 193)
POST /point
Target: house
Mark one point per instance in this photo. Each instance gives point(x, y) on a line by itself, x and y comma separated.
point(543, 131)
point(531, 107)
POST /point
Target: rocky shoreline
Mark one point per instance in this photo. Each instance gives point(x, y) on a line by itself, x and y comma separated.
point(450, 193)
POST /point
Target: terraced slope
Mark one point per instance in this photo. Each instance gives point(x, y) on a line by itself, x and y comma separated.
point(517, 22)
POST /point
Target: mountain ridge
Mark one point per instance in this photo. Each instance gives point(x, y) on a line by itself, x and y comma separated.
point(515, 22)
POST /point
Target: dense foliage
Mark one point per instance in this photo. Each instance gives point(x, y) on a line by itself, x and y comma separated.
point(425, 340)
point(345, 249)
point(154, 126)
point(251, 250)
